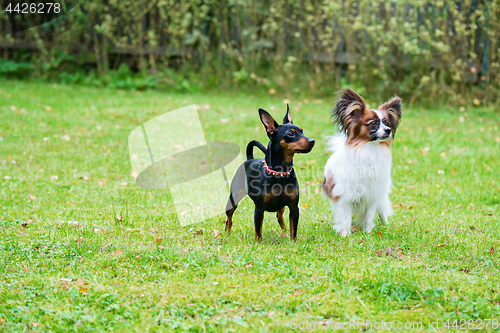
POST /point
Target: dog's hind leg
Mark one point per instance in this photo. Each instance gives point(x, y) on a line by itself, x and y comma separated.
point(367, 224)
point(279, 215)
point(229, 222)
point(385, 209)
point(238, 192)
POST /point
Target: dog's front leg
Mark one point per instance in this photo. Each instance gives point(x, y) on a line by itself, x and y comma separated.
point(294, 221)
point(258, 218)
point(342, 215)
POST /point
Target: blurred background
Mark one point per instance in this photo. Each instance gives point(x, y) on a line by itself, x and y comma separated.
point(429, 52)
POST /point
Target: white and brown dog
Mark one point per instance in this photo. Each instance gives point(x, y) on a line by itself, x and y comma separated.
point(358, 174)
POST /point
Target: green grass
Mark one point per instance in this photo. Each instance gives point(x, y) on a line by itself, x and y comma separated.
point(444, 233)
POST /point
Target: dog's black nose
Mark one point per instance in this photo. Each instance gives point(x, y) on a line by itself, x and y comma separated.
point(387, 131)
point(311, 142)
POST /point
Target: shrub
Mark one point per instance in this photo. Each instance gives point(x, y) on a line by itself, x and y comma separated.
point(420, 49)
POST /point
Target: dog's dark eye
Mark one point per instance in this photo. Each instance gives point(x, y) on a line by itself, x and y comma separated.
point(291, 133)
point(373, 123)
point(386, 123)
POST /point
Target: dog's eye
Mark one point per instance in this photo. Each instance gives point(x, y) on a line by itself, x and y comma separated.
point(386, 123)
point(291, 133)
point(373, 123)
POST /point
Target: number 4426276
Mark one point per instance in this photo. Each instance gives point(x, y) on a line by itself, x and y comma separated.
point(472, 324)
point(34, 8)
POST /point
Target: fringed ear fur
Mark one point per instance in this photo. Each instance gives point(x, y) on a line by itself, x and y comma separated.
point(348, 109)
point(393, 107)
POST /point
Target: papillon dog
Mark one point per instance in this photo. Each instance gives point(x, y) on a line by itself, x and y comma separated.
point(358, 173)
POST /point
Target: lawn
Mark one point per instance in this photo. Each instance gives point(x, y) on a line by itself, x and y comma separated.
point(68, 263)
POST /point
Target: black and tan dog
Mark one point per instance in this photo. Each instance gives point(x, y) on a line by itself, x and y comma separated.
point(271, 182)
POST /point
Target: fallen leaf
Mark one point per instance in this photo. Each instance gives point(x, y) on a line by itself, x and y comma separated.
point(270, 313)
point(158, 240)
point(297, 292)
point(492, 250)
point(118, 252)
point(54, 177)
point(440, 172)
point(389, 252)
point(65, 285)
point(83, 290)
point(442, 244)
point(79, 281)
point(379, 234)
point(217, 233)
point(400, 254)
point(249, 264)
point(66, 279)
point(34, 324)
point(476, 101)
point(32, 197)
point(118, 217)
point(424, 150)
point(272, 91)
point(198, 232)
point(355, 228)
point(102, 182)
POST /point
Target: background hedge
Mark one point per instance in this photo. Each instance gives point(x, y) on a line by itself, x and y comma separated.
point(423, 50)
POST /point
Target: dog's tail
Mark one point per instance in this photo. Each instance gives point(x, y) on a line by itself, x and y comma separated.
point(250, 146)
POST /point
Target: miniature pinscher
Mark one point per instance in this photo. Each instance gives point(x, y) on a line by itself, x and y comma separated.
point(271, 182)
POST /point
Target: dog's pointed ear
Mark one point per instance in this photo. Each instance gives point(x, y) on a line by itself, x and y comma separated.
point(348, 110)
point(269, 123)
point(394, 109)
point(288, 116)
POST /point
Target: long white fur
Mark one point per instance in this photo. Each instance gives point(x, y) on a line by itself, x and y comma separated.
point(362, 178)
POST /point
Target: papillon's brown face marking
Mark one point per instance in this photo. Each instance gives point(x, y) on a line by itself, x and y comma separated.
point(361, 124)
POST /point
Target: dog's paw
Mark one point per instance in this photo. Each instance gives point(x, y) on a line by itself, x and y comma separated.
point(368, 227)
point(343, 231)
